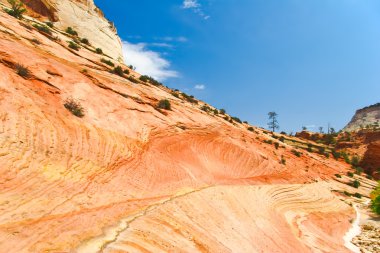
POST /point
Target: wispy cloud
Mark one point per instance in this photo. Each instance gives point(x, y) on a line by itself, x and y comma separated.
point(200, 87)
point(172, 39)
point(147, 62)
point(196, 7)
point(162, 45)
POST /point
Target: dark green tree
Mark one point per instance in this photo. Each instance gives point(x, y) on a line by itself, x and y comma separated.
point(273, 123)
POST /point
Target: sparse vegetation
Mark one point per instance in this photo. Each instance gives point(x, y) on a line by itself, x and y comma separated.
point(126, 71)
point(22, 71)
point(149, 79)
point(375, 203)
point(222, 111)
point(355, 184)
point(16, 10)
point(276, 145)
point(132, 79)
point(296, 153)
point(144, 78)
point(74, 107)
point(43, 28)
point(190, 99)
point(282, 139)
point(350, 174)
point(347, 193)
point(85, 41)
point(250, 129)
point(283, 161)
point(164, 104)
point(73, 45)
point(357, 195)
point(236, 119)
point(99, 51)
point(273, 123)
point(268, 142)
point(118, 71)
point(338, 176)
point(108, 62)
point(71, 31)
point(49, 24)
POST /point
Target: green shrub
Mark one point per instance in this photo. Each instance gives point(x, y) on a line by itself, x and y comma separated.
point(74, 107)
point(358, 195)
point(126, 71)
point(338, 176)
point(22, 71)
point(85, 41)
point(164, 104)
point(350, 174)
point(17, 9)
point(49, 24)
point(283, 161)
point(355, 160)
point(296, 153)
point(73, 45)
point(282, 139)
point(336, 154)
point(236, 119)
point(276, 145)
point(268, 142)
point(347, 193)
point(355, 184)
point(132, 79)
point(108, 62)
point(358, 170)
point(190, 99)
point(369, 177)
point(99, 51)
point(205, 108)
point(375, 203)
point(222, 111)
point(144, 78)
point(250, 129)
point(71, 31)
point(309, 147)
point(216, 112)
point(118, 71)
point(321, 150)
point(43, 28)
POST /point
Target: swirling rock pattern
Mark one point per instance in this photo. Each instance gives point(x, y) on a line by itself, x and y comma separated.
point(130, 178)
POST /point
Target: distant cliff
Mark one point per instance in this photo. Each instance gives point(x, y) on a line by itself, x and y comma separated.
point(83, 16)
point(367, 117)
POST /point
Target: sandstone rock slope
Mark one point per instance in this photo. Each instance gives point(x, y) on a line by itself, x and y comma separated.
point(368, 117)
point(130, 177)
point(83, 16)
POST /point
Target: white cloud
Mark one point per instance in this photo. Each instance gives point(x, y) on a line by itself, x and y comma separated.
point(200, 87)
point(147, 62)
point(175, 39)
point(196, 7)
point(188, 4)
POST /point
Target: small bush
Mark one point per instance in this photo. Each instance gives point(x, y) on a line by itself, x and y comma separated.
point(36, 41)
point(268, 142)
point(347, 193)
point(358, 170)
point(17, 9)
point(205, 108)
point(43, 28)
point(49, 24)
point(321, 150)
point(108, 62)
point(222, 111)
point(85, 41)
point(276, 145)
point(22, 71)
point(338, 176)
point(144, 78)
point(350, 174)
point(71, 31)
point(358, 195)
point(336, 154)
point(283, 161)
point(250, 129)
point(355, 161)
point(118, 71)
point(190, 99)
point(216, 112)
point(282, 139)
point(296, 153)
point(164, 104)
point(74, 107)
point(236, 119)
point(73, 45)
point(132, 79)
point(99, 51)
point(309, 148)
point(126, 71)
point(369, 177)
point(355, 184)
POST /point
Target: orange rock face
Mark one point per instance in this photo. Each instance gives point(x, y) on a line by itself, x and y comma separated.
point(128, 177)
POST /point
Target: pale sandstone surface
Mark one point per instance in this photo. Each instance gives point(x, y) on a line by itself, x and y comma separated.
point(130, 178)
point(84, 17)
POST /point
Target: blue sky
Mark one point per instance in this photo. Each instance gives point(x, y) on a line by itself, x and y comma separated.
point(311, 61)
